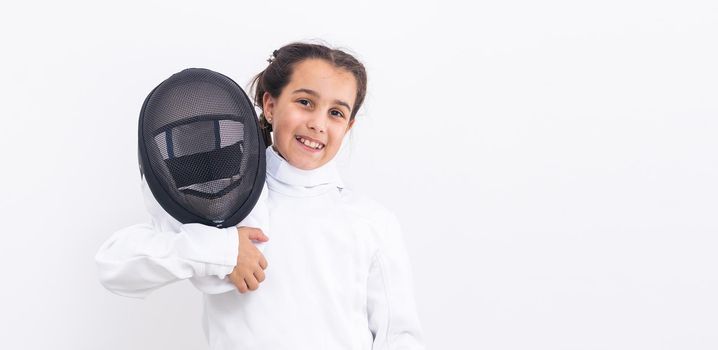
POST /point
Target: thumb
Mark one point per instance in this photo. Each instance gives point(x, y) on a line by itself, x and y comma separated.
point(258, 235)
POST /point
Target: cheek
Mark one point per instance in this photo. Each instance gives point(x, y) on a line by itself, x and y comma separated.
point(338, 133)
point(291, 118)
point(286, 123)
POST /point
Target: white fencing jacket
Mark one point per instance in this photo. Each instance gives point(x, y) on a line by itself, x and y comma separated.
point(338, 274)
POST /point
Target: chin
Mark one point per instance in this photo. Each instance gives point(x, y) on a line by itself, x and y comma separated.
point(299, 162)
point(298, 159)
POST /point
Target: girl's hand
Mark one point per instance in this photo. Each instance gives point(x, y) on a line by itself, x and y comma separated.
point(249, 271)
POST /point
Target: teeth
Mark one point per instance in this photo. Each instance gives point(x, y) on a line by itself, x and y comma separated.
point(311, 144)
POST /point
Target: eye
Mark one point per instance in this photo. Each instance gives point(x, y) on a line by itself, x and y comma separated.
point(337, 113)
point(304, 102)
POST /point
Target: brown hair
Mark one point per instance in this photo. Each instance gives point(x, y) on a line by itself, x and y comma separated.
point(276, 76)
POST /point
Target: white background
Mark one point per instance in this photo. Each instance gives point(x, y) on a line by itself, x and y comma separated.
point(554, 164)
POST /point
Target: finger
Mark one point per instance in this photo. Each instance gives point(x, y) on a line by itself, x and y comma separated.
point(238, 282)
point(262, 262)
point(264, 237)
point(241, 286)
point(259, 275)
point(231, 278)
point(258, 235)
point(252, 283)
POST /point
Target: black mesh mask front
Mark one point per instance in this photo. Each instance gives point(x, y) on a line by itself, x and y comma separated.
point(201, 149)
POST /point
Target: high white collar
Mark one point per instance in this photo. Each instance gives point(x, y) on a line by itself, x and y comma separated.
point(284, 177)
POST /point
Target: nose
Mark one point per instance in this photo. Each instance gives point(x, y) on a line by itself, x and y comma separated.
point(317, 122)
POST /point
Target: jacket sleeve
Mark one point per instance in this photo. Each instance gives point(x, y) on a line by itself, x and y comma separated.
point(258, 218)
point(391, 308)
point(139, 259)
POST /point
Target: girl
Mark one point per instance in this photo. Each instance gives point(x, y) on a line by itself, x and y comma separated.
point(337, 273)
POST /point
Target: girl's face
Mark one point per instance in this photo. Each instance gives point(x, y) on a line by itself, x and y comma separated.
point(311, 115)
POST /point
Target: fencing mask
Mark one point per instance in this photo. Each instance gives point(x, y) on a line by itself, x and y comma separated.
point(200, 148)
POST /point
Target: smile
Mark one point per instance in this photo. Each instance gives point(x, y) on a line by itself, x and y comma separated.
point(311, 144)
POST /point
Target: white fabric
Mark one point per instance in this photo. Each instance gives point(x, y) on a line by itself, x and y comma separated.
point(338, 275)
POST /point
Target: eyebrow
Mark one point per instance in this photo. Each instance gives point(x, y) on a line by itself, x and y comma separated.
point(314, 93)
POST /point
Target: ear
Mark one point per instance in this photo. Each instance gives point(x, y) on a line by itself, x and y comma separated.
point(268, 104)
point(350, 125)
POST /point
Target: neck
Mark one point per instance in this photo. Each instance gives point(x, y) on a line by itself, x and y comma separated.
point(281, 170)
point(276, 150)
